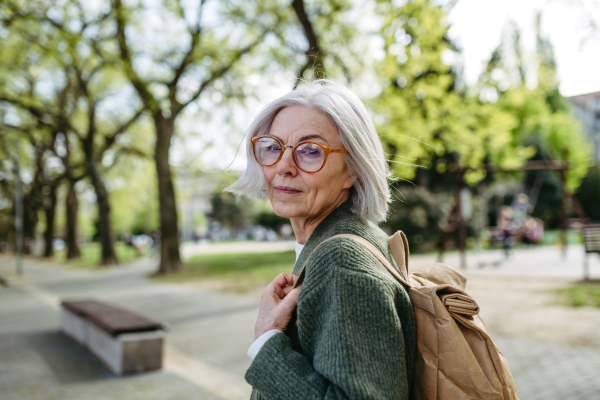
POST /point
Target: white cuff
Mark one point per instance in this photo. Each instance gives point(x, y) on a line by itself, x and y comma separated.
point(262, 339)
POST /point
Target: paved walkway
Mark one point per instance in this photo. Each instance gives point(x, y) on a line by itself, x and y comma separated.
point(208, 337)
point(210, 333)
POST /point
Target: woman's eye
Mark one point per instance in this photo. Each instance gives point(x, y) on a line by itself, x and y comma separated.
point(310, 151)
point(273, 148)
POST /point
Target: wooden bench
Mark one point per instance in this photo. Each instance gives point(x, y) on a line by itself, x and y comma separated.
point(591, 240)
point(125, 342)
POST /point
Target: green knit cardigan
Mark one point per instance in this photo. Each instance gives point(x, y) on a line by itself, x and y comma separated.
point(356, 334)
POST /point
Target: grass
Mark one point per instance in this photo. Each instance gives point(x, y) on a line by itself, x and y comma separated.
point(239, 273)
point(91, 253)
point(580, 295)
point(552, 237)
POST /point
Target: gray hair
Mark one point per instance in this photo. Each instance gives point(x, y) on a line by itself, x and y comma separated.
point(366, 162)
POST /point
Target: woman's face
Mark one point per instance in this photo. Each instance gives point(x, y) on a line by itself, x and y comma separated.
point(293, 192)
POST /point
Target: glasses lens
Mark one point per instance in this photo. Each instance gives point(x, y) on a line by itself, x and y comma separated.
point(310, 157)
point(267, 151)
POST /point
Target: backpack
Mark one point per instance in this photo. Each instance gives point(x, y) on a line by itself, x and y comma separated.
point(456, 358)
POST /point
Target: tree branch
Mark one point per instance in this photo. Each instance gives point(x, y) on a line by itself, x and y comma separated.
point(139, 85)
point(220, 72)
point(124, 151)
point(313, 50)
point(111, 138)
point(195, 34)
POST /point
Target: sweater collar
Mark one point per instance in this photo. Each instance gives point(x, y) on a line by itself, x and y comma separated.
point(323, 231)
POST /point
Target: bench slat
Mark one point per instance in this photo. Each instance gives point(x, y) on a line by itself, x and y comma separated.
point(111, 319)
point(591, 238)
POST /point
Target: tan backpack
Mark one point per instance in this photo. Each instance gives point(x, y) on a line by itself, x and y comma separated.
point(456, 358)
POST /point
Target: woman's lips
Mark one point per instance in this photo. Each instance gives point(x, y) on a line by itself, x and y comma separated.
point(286, 190)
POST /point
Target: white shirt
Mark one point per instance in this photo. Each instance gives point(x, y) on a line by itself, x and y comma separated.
point(299, 248)
point(262, 339)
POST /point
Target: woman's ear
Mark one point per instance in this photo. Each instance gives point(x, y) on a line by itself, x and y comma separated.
point(349, 182)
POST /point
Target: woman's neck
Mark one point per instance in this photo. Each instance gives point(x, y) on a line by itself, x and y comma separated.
point(303, 227)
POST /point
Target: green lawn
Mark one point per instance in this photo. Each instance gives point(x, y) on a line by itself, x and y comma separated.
point(242, 272)
point(580, 295)
point(90, 255)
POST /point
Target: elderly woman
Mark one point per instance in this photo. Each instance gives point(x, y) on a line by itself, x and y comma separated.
point(348, 332)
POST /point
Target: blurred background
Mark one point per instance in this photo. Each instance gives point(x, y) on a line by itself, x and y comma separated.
point(121, 121)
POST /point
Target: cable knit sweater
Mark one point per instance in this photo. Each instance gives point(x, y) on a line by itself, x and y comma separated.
point(356, 334)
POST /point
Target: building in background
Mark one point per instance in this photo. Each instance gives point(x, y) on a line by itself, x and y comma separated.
point(586, 108)
point(193, 197)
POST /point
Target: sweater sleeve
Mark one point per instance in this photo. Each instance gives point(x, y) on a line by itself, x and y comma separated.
point(359, 353)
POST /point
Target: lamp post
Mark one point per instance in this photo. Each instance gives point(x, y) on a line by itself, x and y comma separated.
point(18, 207)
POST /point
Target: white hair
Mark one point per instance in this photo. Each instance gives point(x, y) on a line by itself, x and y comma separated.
point(365, 162)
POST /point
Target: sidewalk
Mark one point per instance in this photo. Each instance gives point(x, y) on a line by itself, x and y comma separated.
point(205, 356)
point(210, 333)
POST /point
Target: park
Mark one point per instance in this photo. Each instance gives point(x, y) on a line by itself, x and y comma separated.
point(122, 123)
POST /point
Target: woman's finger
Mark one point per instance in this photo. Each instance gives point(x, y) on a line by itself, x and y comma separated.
point(288, 304)
point(286, 290)
point(283, 280)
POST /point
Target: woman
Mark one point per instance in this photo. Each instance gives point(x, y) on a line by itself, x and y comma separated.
point(315, 154)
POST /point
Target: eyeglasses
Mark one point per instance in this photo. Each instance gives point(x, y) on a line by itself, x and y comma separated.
point(309, 156)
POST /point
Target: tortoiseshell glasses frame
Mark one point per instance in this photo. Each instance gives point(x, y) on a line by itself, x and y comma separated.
point(304, 146)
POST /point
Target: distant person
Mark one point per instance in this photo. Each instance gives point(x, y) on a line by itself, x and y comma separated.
point(155, 246)
point(521, 209)
point(535, 230)
point(315, 154)
point(505, 224)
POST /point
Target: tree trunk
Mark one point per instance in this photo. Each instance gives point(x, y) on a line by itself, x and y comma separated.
point(169, 239)
point(109, 257)
point(50, 209)
point(72, 207)
point(30, 220)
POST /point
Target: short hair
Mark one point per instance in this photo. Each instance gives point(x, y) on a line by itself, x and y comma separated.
point(365, 162)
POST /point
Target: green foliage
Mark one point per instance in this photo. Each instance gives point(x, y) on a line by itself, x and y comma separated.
point(241, 272)
point(580, 295)
point(227, 263)
point(542, 114)
point(589, 193)
point(422, 112)
point(67, 67)
point(229, 211)
point(91, 254)
point(557, 134)
point(269, 219)
point(420, 213)
point(60, 80)
point(134, 197)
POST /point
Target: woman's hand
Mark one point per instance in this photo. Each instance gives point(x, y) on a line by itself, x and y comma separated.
point(277, 304)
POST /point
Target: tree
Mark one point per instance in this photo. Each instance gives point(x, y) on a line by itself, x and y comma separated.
point(40, 192)
point(426, 117)
point(542, 113)
point(333, 47)
point(201, 53)
point(81, 74)
point(229, 212)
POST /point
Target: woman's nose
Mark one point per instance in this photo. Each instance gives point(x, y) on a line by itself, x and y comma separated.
point(287, 165)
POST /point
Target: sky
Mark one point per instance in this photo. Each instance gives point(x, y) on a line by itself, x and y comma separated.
point(477, 26)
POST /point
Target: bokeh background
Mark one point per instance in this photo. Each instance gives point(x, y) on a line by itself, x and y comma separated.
point(121, 121)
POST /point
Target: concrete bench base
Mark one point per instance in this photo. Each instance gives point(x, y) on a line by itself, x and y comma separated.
point(124, 354)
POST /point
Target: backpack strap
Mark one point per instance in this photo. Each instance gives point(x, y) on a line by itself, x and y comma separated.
point(369, 247)
point(399, 246)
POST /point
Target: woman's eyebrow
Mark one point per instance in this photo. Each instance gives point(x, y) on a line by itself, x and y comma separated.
point(303, 138)
point(276, 137)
